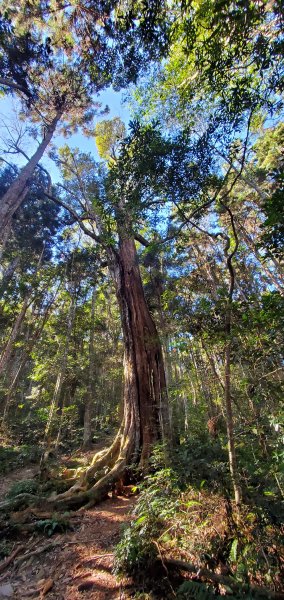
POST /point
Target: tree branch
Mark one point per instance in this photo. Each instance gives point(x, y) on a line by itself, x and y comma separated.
point(77, 217)
point(139, 238)
point(15, 86)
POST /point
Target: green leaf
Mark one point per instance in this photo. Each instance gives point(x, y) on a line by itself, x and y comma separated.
point(233, 551)
point(192, 503)
point(140, 520)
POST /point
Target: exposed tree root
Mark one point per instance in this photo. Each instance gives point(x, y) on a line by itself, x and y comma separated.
point(88, 498)
point(91, 488)
point(94, 484)
point(107, 467)
point(101, 460)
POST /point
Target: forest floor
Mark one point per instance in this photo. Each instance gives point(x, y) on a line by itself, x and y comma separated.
point(73, 564)
point(70, 556)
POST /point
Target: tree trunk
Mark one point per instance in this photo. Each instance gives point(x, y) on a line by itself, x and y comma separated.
point(230, 426)
point(228, 362)
point(145, 392)
point(6, 233)
point(146, 410)
point(7, 274)
point(17, 192)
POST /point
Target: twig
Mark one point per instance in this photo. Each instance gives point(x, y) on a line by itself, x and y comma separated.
point(161, 558)
point(96, 557)
point(164, 566)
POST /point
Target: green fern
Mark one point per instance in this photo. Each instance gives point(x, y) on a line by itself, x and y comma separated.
point(195, 590)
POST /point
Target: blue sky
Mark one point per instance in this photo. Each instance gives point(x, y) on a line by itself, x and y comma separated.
point(8, 112)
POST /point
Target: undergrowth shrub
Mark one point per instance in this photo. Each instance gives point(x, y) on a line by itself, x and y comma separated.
point(26, 486)
point(174, 518)
point(201, 461)
point(191, 590)
point(157, 502)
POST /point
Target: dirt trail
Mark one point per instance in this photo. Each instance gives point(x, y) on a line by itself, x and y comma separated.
point(80, 566)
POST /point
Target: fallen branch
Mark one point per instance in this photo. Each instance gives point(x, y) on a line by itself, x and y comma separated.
point(161, 557)
point(37, 552)
point(164, 567)
point(202, 573)
point(10, 559)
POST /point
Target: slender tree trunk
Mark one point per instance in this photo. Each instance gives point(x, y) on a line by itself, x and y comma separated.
point(17, 192)
point(7, 274)
point(60, 413)
point(230, 425)
point(26, 354)
point(62, 371)
point(227, 362)
point(5, 356)
point(5, 237)
point(24, 359)
point(88, 433)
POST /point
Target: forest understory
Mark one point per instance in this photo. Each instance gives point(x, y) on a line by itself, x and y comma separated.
point(160, 538)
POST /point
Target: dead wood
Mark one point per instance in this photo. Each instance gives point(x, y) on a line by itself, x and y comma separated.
point(203, 573)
